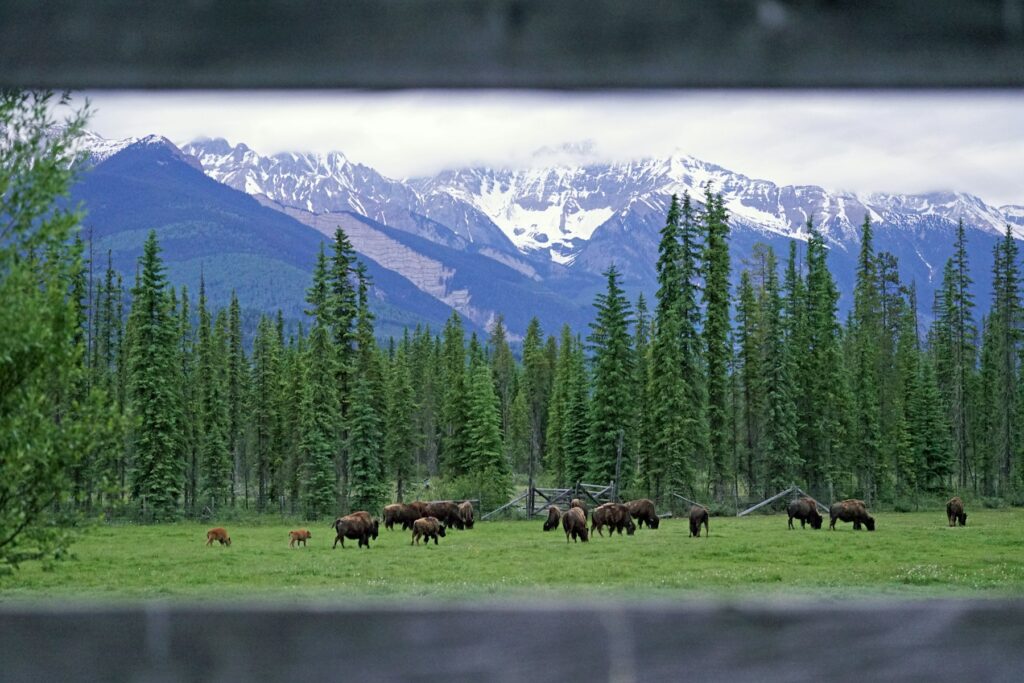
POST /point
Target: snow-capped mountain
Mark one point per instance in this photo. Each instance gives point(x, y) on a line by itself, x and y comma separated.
point(331, 183)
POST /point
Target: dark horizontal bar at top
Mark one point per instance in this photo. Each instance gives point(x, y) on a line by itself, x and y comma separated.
point(937, 640)
point(511, 44)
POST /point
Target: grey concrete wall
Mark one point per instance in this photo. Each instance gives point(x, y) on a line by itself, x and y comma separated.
point(819, 641)
point(512, 43)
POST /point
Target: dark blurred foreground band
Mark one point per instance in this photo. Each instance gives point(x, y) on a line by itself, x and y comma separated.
point(938, 640)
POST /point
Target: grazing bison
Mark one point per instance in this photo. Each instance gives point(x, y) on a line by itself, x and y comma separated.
point(955, 512)
point(446, 512)
point(698, 516)
point(466, 514)
point(358, 526)
point(575, 525)
point(806, 510)
point(577, 503)
point(298, 536)
point(399, 513)
point(420, 507)
point(218, 534)
point(426, 528)
point(554, 514)
point(643, 512)
point(613, 515)
point(850, 511)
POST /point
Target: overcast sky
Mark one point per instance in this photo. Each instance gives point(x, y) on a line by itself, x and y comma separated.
point(894, 142)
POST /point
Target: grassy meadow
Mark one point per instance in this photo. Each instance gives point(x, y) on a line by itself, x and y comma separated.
point(910, 555)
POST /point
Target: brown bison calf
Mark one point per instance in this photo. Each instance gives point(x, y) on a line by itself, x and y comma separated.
point(399, 513)
point(446, 512)
point(554, 514)
point(955, 512)
point(850, 510)
point(426, 528)
point(698, 516)
point(613, 515)
point(643, 512)
point(298, 536)
point(806, 510)
point(218, 534)
point(575, 525)
point(358, 526)
point(466, 514)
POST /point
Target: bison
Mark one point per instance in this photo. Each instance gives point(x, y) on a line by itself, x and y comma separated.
point(399, 513)
point(577, 503)
point(420, 507)
point(218, 534)
point(955, 512)
point(806, 510)
point(850, 511)
point(446, 512)
point(426, 528)
point(298, 536)
point(554, 514)
point(466, 514)
point(575, 525)
point(358, 526)
point(698, 516)
point(643, 512)
point(613, 515)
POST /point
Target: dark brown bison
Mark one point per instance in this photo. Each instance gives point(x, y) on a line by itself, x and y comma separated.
point(298, 536)
point(577, 503)
point(358, 526)
point(613, 515)
point(643, 512)
point(420, 507)
point(399, 513)
point(466, 514)
point(554, 514)
point(806, 510)
point(850, 511)
point(446, 512)
point(218, 534)
point(426, 528)
point(698, 516)
point(955, 512)
point(575, 525)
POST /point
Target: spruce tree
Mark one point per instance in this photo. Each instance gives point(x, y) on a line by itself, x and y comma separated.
point(485, 463)
point(319, 416)
point(158, 473)
point(237, 382)
point(716, 341)
point(264, 408)
point(536, 383)
point(399, 435)
point(642, 432)
point(1006, 323)
point(212, 437)
point(453, 406)
point(558, 405)
point(611, 410)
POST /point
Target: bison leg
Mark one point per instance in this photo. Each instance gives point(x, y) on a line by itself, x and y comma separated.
point(435, 539)
point(832, 523)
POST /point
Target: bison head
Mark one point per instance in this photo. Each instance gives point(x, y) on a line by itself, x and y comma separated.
point(654, 522)
point(376, 528)
point(228, 541)
point(630, 526)
point(962, 518)
point(816, 522)
point(870, 523)
point(440, 530)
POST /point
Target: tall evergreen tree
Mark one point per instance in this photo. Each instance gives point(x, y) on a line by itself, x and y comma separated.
point(237, 382)
point(611, 409)
point(158, 474)
point(213, 443)
point(1006, 318)
point(399, 435)
point(716, 341)
point(453, 406)
point(536, 382)
point(485, 462)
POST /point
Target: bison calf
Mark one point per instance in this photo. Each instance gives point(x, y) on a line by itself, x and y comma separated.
point(955, 512)
point(850, 511)
point(554, 514)
point(698, 516)
point(643, 512)
point(575, 525)
point(218, 534)
point(806, 510)
point(298, 536)
point(426, 528)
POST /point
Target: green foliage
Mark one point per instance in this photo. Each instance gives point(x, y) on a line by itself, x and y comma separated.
point(716, 341)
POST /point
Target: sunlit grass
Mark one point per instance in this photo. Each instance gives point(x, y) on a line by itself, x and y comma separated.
point(911, 554)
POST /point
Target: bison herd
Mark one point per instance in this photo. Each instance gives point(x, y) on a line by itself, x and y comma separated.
point(430, 521)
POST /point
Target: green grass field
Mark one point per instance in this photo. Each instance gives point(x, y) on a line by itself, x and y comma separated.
point(910, 555)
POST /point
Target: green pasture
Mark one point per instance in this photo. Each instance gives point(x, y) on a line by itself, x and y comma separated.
point(910, 555)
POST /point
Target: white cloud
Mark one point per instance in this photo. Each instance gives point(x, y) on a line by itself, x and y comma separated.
point(862, 141)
